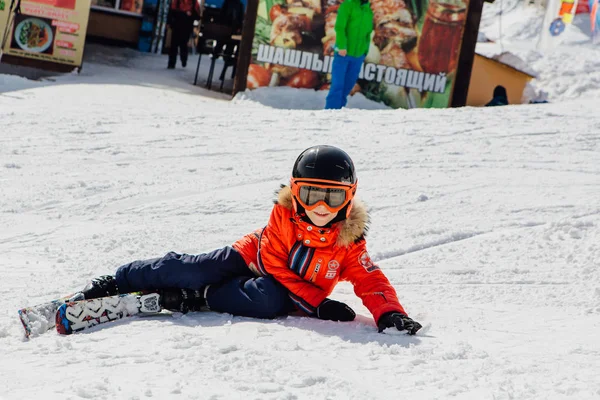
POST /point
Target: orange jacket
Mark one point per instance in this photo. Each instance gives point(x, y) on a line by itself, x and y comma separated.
point(309, 261)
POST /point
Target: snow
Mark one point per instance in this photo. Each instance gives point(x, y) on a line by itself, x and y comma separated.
point(12, 82)
point(303, 99)
point(485, 220)
point(514, 61)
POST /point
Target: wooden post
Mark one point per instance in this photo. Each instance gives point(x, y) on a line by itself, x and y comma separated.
point(245, 51)
point(467, 53)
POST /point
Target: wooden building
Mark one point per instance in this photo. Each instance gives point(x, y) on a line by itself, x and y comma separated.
point(487, 73)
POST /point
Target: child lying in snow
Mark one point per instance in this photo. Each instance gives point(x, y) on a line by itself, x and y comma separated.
point(315, 237)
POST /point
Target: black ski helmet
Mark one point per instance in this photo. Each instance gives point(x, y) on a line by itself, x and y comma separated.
point(325, 162)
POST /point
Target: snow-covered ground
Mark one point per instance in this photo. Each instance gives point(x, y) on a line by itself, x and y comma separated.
point(486, 221)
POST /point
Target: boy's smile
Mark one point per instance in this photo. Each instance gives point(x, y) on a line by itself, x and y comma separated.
point(320, 216)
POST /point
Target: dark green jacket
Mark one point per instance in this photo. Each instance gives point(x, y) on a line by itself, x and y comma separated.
point(353, 27)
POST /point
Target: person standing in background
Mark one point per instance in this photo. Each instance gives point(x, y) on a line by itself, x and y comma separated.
point(353, 28)
point(232, 15)
point(181, 21)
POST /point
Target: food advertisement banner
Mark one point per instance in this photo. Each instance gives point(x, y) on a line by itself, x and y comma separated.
point(47, 30)
point(412, 59)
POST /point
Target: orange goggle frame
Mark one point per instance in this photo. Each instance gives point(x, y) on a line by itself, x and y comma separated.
point(310, 193)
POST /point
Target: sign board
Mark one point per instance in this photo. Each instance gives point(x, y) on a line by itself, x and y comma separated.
point(411, 63)
point(47, 30)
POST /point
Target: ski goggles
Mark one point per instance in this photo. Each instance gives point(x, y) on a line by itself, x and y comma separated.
point(311, 193)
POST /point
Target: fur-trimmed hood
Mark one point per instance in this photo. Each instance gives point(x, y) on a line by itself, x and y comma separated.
point(351, 229)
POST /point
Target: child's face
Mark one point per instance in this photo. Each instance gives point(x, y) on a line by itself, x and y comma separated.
point(320, 216)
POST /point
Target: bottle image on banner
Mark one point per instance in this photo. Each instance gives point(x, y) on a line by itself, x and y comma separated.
point(444, 20)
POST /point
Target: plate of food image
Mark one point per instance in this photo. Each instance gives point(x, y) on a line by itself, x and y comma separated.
point(33, 34)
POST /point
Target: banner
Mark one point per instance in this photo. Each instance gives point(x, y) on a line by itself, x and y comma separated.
point(595, 20)
point(559, 15)
point(412, 59)
point(4, 19)
point(47, 30)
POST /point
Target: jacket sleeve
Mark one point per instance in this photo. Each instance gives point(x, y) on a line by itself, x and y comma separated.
point(341, 21)
point(273, 259)
point(370, 284)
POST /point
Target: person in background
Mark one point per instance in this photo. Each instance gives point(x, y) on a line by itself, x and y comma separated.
point(232, 15)
point(353, 28)
point(315, 238)
point(181, 21)
point(500, 97)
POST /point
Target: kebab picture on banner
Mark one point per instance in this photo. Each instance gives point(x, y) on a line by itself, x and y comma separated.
point(411, 61)
point(33, 34)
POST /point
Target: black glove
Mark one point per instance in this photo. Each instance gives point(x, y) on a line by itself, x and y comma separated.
point(400, 321)
point(332, 310)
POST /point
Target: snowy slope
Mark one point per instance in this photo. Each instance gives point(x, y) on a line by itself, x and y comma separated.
point(486, 221)
point(501, 259)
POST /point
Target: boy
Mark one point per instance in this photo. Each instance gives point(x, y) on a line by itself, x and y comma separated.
point(315, 237)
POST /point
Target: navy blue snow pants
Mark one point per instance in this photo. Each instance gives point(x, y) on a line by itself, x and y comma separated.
point(233, 288)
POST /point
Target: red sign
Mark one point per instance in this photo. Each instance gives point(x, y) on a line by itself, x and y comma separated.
point(64, 43)
point(70, 4)
point(583, 7)
point(64, 26)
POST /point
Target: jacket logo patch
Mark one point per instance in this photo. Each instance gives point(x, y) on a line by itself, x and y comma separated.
point(332, 268)
point(365, 260)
